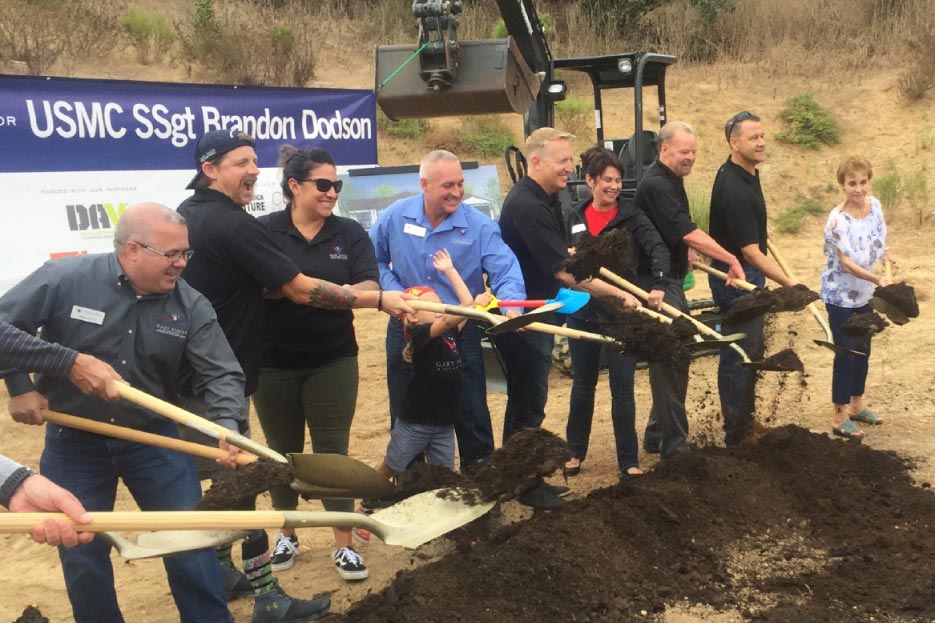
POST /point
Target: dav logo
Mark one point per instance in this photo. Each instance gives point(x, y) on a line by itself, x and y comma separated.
point(338, 253)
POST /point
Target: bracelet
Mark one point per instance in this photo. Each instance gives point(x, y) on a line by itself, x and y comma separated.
point(380, 301)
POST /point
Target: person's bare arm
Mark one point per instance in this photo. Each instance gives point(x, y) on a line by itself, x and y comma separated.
point(766, 265)
point(852, 267)
point(706, 245)
point(306, 290)
point(599, 287)
point(364, 286)
point(93, 376)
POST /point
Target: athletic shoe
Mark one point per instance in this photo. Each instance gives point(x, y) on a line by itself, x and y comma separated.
point(349, 564)
point(540, 497)
point(275, 606)
point(283, 556)
point(235, 583)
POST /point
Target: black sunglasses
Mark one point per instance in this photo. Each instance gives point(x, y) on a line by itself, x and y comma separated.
point(324, 185)
point(738, 118)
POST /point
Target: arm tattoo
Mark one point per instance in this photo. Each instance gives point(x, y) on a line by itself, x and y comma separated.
point(329, 296)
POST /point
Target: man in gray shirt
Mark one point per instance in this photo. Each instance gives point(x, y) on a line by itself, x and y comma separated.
point(130, 309)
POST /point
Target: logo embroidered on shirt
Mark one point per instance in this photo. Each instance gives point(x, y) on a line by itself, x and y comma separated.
point(339, 253)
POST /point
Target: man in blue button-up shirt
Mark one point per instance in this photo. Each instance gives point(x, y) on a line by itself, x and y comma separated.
point(406, 237)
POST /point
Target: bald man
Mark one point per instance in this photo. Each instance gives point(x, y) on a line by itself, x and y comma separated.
point(129, 309)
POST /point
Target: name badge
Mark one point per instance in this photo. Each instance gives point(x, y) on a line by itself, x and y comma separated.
point(87, 315)
point(577, 229)
point(414, 230)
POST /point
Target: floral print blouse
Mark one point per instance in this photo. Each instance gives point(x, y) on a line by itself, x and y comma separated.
point(863, 240)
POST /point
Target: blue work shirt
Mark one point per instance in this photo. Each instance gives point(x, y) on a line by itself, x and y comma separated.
point(405, 244)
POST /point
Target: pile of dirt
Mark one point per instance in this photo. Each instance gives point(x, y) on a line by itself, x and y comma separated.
point(642, 336)
point(31, 615)
point(612, 250)
point(785, 360)
point(864, 326)
point(793, 298)
point(762, 301)
point(799, 527)
point(900, 295)
point(244, 483)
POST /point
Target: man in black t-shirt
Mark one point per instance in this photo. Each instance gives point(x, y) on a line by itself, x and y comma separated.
point(661, 195)
point(738, 222)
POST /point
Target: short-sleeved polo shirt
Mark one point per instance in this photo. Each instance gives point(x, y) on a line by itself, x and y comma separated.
point(738, 210)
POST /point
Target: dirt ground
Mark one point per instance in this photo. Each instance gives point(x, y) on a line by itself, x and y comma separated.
point(803, 527)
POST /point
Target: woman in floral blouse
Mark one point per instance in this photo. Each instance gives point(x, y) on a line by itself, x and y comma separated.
point(855, 240)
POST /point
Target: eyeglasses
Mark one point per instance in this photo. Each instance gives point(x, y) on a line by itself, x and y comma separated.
point(740, 117)
point(172, 256)
point(323, 185)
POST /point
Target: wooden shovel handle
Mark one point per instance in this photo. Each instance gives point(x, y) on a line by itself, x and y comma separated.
point(195, 422)
point(746, 285)
point(151, 439)
point(811, 306)
point(888, 270)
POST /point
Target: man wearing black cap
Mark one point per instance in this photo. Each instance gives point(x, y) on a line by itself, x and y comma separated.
point(236, 260)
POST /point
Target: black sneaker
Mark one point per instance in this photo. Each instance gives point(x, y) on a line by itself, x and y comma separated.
point(559, 490)
point(540, 497)
point(349, 564)
point(283, 556)
point(235, 583)
point(277, 607)
point(652, 448)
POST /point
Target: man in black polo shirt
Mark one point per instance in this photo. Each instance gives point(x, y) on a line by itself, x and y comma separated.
point(235, 260)
point(661, 195)
point(532, 226)
point(738, 222)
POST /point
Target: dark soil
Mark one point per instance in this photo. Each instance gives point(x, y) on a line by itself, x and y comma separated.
point(31, 615)
point(792, 298)
point(797, 528)
point(642, 336)
point(902, 296)
point(758, 302)
point(244, 483)
point(864, 326)
point(612, 250)
point(784, 361)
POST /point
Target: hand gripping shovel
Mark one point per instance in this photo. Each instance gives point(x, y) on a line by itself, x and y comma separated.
point(702, 327)
point(410, 523)
point(828, 343)
point(324, 475)
point(885, 307)
point(570, 300)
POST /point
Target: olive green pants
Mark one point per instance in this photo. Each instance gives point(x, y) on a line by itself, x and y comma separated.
point(323, 399)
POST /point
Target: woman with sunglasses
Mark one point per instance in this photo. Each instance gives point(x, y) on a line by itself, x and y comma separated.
point(309, 375)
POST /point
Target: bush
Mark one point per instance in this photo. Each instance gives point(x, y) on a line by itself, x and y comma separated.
point(888, 189)
point(792, 220)
point(806, 124)
point(413, 129)
point(699, 205)
point(915, 190)
point(573, 114)
point(486, 136)
point(150, 33)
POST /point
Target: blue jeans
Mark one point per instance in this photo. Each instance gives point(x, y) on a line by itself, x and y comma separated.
point(89, 465)
point(473, 428)
point(849, 375)
point(527, 357)
point(736, 384)
point(585, 361)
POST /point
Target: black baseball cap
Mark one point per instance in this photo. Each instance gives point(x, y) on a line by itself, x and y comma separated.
point(215, 144)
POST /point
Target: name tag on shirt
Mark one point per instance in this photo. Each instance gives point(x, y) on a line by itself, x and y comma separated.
point(577, 229)
point(87, 315)
point(414, 230)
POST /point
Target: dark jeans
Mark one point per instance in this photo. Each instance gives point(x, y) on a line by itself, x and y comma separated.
point(667, 426)
point(585, 361)
point(324, 400)
point(527, 357)
point(473, 428)
point(736, 384)
point(89, 466)
point(849, 375)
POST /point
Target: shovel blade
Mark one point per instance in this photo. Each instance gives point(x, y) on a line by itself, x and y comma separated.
point(526, 319)
point(892, 313)
point(839, 349)
point(339, 473)
point(571, 300)
point(426, 516)
point(169, 542)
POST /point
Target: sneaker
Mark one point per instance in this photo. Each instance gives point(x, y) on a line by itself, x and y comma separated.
point(283, 556)
point(559, 490)
point(349, 564)
point(361, 533)
point(235, 583)
point(275, 606)
point(540, 497)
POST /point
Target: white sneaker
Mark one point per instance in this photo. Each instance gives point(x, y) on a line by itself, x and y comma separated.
point(283, 556)
point(349, 564)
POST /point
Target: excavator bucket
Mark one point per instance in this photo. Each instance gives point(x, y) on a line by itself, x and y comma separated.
point(492, 77)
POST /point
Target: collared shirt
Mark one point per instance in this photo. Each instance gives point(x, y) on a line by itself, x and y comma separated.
point(21, 352)
point(738, 210)
point(661, 196)
point(235, 259)
point(532, 225)
point(405, 244)
point(88, 304)
point(300, 336)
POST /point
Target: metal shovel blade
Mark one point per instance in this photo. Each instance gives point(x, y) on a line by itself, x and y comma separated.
point(337, 476)
point(571, 300)
point(839, 349)
point(724, 340)
point(512, 324)
point(893, 313)
point(169, 542)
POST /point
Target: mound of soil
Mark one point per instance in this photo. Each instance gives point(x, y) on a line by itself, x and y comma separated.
point(902, 296)
point(642, 336)
point(799, 527)
point(864, 326)
point(31, 615)
point(793, 298)
point(244, 483)
point(612, 250)
point(785, 360)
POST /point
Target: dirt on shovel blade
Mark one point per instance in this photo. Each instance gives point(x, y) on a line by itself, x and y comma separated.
point(792, 298)
point(864, 326)
point(612, 250)
point(785, 360)
point(31, 615)
point(759, 302)
point(642, 336)
point(244, 483)
point(786, 531)
point(900, 295)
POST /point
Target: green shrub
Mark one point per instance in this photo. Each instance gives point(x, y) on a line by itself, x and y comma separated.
point(888, 189)
point(792, 220)
point(572, 114)
point(699, 204)
point(548, 27)
point(915, 189)
point(150, 33)
point(404, 128)
point(806, 124)
point(486, 136)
